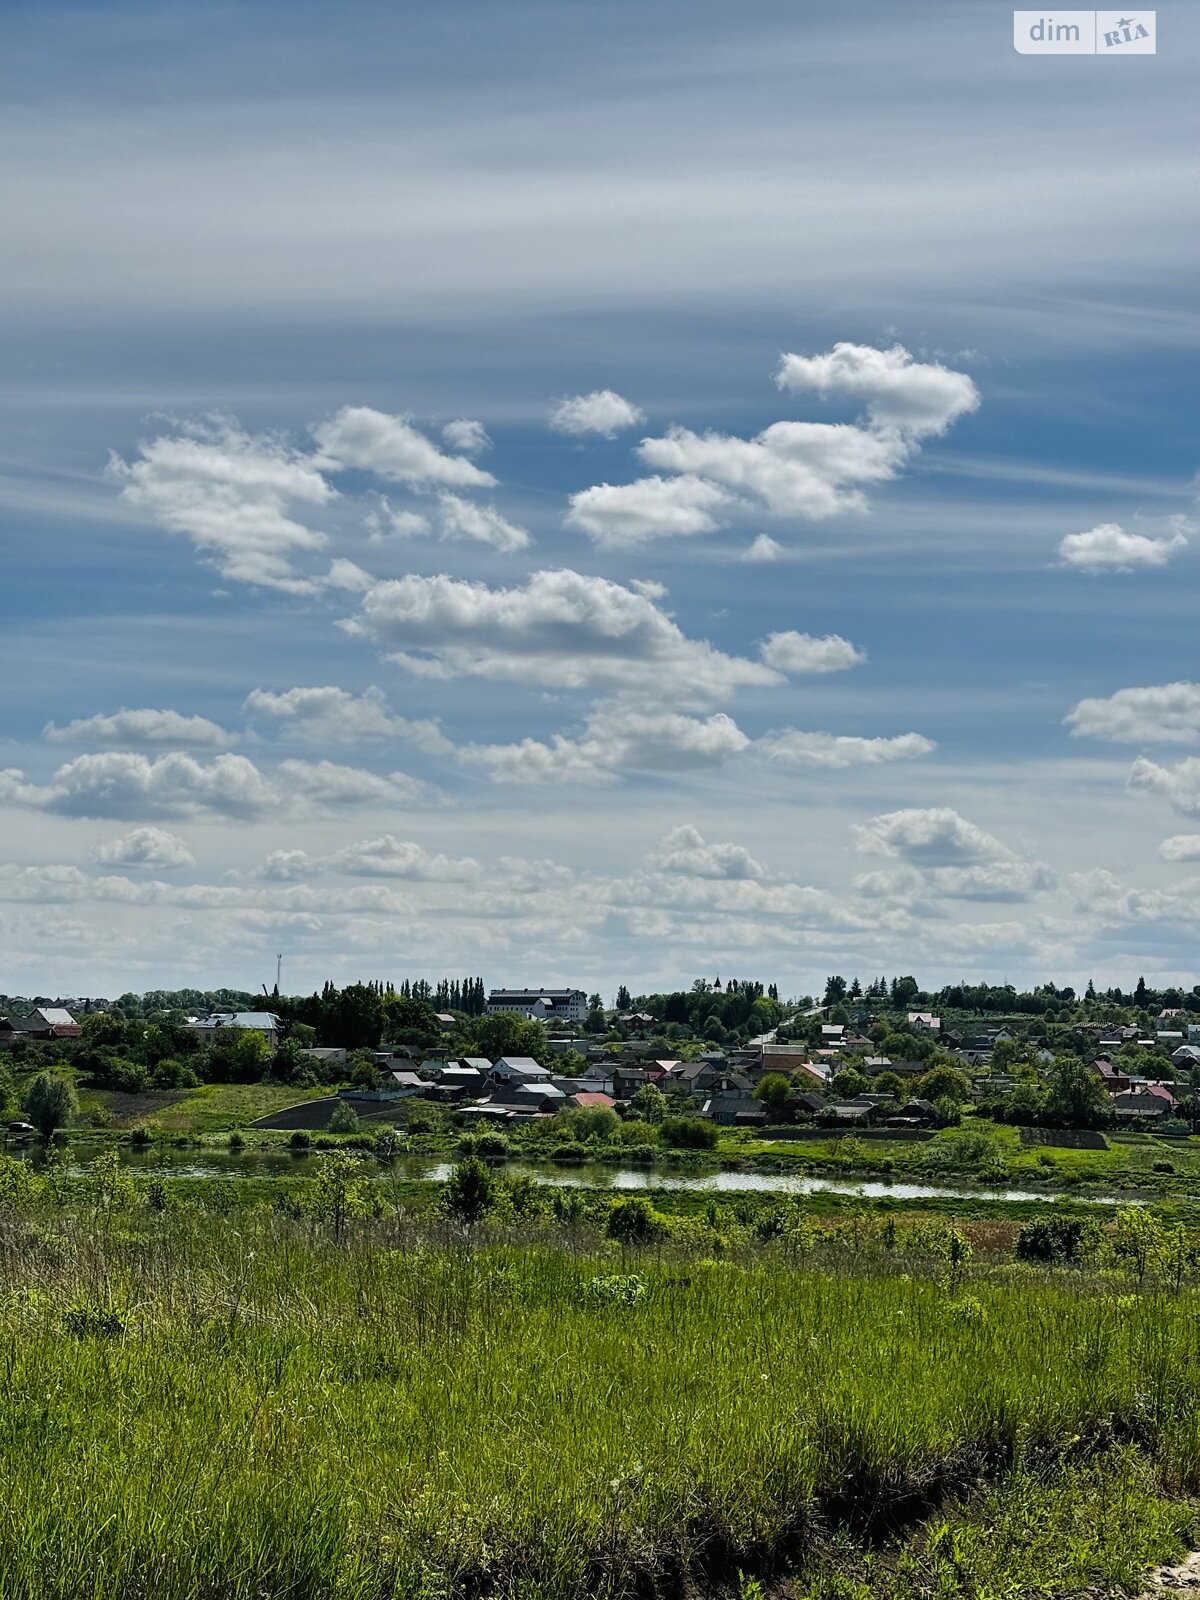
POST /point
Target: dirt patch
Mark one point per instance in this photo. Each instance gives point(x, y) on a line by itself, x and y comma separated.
point(127, 1110)
point(1182, 1578)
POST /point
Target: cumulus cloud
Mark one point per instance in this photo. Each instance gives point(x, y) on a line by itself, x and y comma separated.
point(464, 519)
point(1166, 713)
point(802, 469)
point(929, 837)
point(146, 847)
point(467, 436)
point(1108, 547)
point(389, 857)
point(233, 494)
point(811, 470)
point(385, 522)
point(685, 850)
point(1181, 847)
point(141, 727)
point(602, 411)
point(942, 854)
point(797, 653)
point(618, 738)
point(130, 786)
point(834, 750)
point(917, 398)
point(619, 515)
point(328, 715)
point(392, 448)
point(562, 629)
point(764, 548)
point(1178, 785)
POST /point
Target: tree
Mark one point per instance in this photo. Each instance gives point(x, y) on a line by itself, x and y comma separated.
point(504, 1033)
point(50, 1103)
point(470, 1191)
point(409, 1021)
point(339, 1189)
point(849, 1083)
point(1075, 1096)
point(773, 1090)
point(944, 1082)
point(343, 1119)
point(835, 990)
point(946, 1112)
point(888, 1083)
point(595, 1122)
point(689, 1133)
point(624, 999)
point(650, 1103)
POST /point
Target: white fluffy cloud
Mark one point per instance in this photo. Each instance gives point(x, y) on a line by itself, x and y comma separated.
point(1108, 547)
point(619, 515)
point(129, 786)
point(943, 855)
point(1178, 785)
point(1167, 713)
point(929, 837)
point(811, 470)
point(391, 448)
point(602, 411)
point(466, 435)
point(233, 495)
point(385, 522)
point(799, 653)
point(329, 715)
point(141, 727)
point(389, 857)
point(1181, 847)
point(918, 398)
point(794, 747)
point(764, 548)
point(562, 629)
point(146, 847)
point(618, 738)
point(464, 519)
point(685, 850)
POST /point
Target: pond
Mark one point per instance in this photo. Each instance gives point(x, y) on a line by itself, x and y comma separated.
point(282, 1163)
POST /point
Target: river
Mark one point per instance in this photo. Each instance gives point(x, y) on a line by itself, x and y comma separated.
point(280, 1163)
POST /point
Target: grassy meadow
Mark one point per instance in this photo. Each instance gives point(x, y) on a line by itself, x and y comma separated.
point(306, 1400)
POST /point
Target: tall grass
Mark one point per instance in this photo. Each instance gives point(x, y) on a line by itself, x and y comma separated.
point(243, 1407)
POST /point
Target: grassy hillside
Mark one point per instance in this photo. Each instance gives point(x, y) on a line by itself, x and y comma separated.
point(263, 1408)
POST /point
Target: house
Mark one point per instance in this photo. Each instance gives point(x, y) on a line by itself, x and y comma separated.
point(1187, 1055)
point(831, 1032)
point(598, 1079)
point(730, 1098)
point(264, 1022)
point(331, 1055)
point(915, 1112)
point(47, 1022)
point(627, 1081)
point(445, 1021)
point(542, 1005)
point(588, 1100)
point(924, 1021)
point(638, 1020)
point(1136, 1105)
point(518, 1069)
point(808, 1104)
point(1113, 1079)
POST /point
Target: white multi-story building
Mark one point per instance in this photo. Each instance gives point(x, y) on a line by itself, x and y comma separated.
point(542, 1005)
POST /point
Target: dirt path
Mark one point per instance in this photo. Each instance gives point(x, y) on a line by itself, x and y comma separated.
point(1182, 1578)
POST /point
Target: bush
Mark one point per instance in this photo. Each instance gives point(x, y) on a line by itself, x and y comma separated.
point(236, 1142)
point(343, 1119)
point(635, 1222)
point(618, 1289)
point(95, 1322)
point(568, 1154)
point(300, 1140)
point(470, 1191)
point(642, 1155)
point(689, 1133)
point(140, 1138)
point(493, 1147)
point(50, 1104)
point(1054, 1239)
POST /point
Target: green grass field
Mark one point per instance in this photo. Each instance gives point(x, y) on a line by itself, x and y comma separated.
point(253, 1406)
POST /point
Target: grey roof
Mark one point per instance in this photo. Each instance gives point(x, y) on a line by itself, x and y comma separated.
point(262, 1020)
point(56, 1016)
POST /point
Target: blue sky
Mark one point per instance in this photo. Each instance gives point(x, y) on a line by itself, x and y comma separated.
point(886, 666)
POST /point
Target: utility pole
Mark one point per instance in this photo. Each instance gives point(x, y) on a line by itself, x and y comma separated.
point(278, 970)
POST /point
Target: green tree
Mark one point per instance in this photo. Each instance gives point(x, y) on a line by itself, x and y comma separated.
point(650, 1103)
point(944, 1083)
point(689, 1133)
point(410, 1022)
point(773, 1090)
point(50, 1103)
point(634, 1221)
point(343, 1119)
point(1075, 1096)
point(848, 1083)
point(339, 1189)
point(595, 1122)
point(470, 1191)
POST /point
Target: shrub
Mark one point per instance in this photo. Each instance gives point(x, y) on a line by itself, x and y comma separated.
point(1054, 1239)
point(689, 1133)
point(642, 1155)
point(635, 1221)
point(50, 1104)
point(493, 1147)
point(343, 1119)
point(470, 1191)
point(618, 1289)
point(236, 1142)
point(300, 1140)
point(140, 1137)
point(95, 1322)
point(568, 1154)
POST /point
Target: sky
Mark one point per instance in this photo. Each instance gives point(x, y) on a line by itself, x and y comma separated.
point(595, 494)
